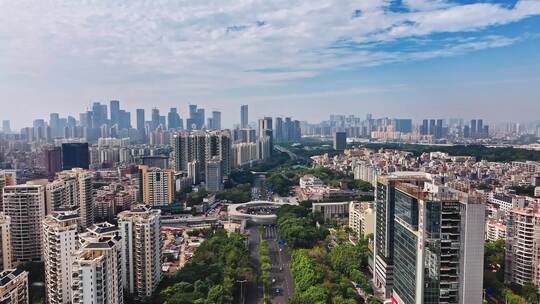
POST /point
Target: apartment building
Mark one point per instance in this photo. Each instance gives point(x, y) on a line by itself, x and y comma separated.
point(140, 231)
point(97, 274)
point(60, 241)
point(25, 205)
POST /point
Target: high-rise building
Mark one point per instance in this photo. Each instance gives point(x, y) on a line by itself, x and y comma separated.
point(474, 130)
point(59, 244)
point(157, 186)
point(522, 258)
point(154, 123)
point(75, 155)
point(278, 130)
point(216, 120)
point(97, 274)
point(99, 114)
point(383, 272)
point(72, 189)
point(213, 175)
point(14, 286)
point(201, 147)
point(264, 125)
point(173, 119)
point(25, 205)
point(140, 231)
point(6, 128)
point(438, 245)
point(244, 118)
point(5, 242)
point(115, 112)
point(52, 159)
point(340, 140)
point(141, 125)
point(424, 130)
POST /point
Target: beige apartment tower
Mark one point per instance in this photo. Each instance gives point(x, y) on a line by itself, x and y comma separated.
point(140, 229)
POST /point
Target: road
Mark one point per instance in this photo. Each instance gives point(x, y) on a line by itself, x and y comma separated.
point(254, 292)
point(281, 268)
point(285, 150)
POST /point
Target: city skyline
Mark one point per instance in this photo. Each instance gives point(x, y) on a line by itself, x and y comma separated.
point(401, 58)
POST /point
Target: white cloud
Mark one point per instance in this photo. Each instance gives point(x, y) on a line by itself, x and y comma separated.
point(217, 43)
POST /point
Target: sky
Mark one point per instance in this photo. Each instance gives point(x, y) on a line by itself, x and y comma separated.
point(306, 59)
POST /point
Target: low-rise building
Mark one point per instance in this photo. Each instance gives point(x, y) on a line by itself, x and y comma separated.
point(361, 218)
point(332, 210)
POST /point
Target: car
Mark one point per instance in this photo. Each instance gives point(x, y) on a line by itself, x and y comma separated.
point(278, 291)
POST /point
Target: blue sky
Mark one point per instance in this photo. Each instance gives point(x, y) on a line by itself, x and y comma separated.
point(408, 58)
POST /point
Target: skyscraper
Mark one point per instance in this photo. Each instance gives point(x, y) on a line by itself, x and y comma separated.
point(173, 119)
point(140, 125)
point(59, 244)
point(216, 120)
point(278, 130)
point(115, 112)
point(384, 227)
point(340, 140)
point(140, 231)
point(155, 119)
point(75, 155)
point(473, 130)
point(244, 118)
point(25, 205)
point(438, 245)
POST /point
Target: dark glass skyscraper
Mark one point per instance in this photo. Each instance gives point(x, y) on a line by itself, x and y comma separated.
point(75, 155)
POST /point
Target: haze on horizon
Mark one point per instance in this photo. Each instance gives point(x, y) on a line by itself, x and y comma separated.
point(306, 59)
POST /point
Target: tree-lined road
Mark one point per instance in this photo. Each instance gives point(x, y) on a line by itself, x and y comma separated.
point(282, 283)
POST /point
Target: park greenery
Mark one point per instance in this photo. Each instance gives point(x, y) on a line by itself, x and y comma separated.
point(329, 276)
point(323, 275)
point(238, 194)
point(480, 152)
point(212, 275)
point(297, 227)
point(282, 179)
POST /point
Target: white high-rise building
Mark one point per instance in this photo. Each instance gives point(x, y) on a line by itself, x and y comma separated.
point(14, 287)
point(73, 188)
point(25, 205)
point(213, 175)
point(97, 276)
point(140, 229)
point(522, 259)
point(5, 242)
point(60, 241)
